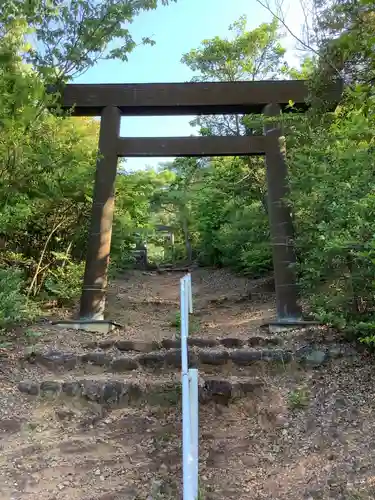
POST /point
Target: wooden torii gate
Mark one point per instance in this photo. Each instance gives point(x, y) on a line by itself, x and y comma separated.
point(112, 101)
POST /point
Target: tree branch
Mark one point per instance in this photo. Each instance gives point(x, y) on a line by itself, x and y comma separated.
point(297, 38)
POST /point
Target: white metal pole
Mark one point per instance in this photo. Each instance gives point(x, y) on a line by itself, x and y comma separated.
point(190, 296)
point(194, 421)
point(186, 439)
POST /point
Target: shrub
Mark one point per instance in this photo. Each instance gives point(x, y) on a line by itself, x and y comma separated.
point(243, 242)
point(64, 283)
point(14, 306)
point(332, 194)
point(256, 259)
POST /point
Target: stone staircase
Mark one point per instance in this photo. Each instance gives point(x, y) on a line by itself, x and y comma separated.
point(116, 372)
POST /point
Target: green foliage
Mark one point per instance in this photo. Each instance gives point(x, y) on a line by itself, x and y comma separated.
point(256, 259)
point(332, 184)
point(14, 306)
point(366, 332)
point(345, 30)
point(65, 283)
point(220, 203)
point(228, 221)
point(32, 334)
point(136, 193)
point(47, 161)
point(246, 55)
point(176, 321)
point(73, 35)
point(201, 493)
point(155, 254)
point(299, 398)
point(243, 241)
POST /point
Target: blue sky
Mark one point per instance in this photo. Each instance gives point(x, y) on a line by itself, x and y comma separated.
point(176, 29)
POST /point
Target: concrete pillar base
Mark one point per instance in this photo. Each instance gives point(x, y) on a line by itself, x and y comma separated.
point(94, 326)
point(280, 326)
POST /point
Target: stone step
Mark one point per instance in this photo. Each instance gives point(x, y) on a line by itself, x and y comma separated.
point(114, 392)
point(309, 356)
point(150, 346)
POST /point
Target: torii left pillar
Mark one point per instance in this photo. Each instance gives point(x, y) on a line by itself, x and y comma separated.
point(99, 242)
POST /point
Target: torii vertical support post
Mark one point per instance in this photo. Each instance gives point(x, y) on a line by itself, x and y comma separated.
point(281, 226)
point(99, 241)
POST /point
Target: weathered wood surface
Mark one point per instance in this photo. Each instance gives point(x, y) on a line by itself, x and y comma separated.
point(152, 99)
point(190, 146)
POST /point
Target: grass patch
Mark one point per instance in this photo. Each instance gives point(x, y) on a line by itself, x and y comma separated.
point(201, 493)
point(32, 334)
point(361, 495)
point(5, 345)
point(299, 398)
point(168, 396)
point(175, 322)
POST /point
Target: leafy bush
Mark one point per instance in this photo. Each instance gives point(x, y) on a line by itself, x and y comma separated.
point(14, 306)
point(64, 283)
point(155, 254)
point(332, 192)
point(120, 265)
point(256, 259)
point(365, 332)
point(243, 242)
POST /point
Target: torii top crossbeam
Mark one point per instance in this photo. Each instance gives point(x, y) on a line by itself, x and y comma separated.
point(153, 99)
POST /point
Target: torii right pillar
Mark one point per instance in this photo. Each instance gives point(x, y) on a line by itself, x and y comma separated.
point(288, 311)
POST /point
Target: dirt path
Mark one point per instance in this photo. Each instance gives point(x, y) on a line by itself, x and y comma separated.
point(86, 417)
point(147, 305)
